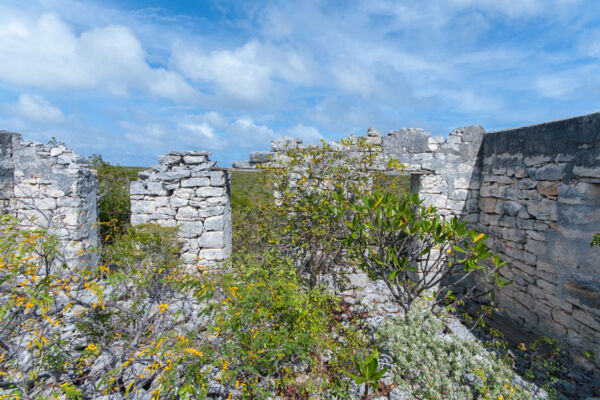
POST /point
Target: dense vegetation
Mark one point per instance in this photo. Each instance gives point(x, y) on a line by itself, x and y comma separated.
point(264, 325)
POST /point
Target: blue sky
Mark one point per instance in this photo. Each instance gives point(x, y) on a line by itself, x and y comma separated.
point(134, 79)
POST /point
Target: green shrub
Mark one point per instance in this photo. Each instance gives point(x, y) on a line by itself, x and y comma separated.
point(418, 253)
point(271, 336)
point(315, 187)
point(596, 240)
point(114, 208)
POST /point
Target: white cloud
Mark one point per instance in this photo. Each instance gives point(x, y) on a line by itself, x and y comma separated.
point(45, 53)
point(245, 73)
point(554, 86)
point(35, 108)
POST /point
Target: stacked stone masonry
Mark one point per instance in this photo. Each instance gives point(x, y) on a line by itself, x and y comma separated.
point(536, 192)
point(50, 187)
point(187, 190)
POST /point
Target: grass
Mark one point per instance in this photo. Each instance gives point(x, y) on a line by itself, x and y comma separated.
point(132, 172)
point(247, 189)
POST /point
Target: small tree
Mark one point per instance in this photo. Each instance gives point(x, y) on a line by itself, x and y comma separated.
point(114, 208)
point(315, 187)
point(418, 253)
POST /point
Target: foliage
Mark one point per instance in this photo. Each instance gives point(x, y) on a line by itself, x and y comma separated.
point(435, 366)
point(256, 221)
point(114, 208)
point(369, 372)
point(416, 252)
point(315, 187)
point(272, 336)
point(596, 240)
point(63, 328)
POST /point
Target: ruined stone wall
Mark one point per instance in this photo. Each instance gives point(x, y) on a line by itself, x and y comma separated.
point(536, 192)
point(187, 190)
point(51, 187)
point(540, 204)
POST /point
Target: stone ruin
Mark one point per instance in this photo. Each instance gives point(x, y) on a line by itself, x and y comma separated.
point(187, 190)
point(534, 190)
point(50, 187)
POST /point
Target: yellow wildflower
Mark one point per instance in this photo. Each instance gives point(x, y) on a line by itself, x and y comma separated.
point(91, 347)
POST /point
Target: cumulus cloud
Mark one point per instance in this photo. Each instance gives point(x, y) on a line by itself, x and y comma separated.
point(35, 108)
point(45, 53)
point(245, 73)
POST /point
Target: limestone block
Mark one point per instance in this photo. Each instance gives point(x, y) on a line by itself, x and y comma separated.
point(161, 201)
point(544, 210)
point(261, 156)
point(435, 200)
point(143, 207)
point(190, 229)
point(217, 201)
point(490, 190)
point(211, 211)
point(433, 184)
point(184, 193)
point(284, 144)
point(169, 159)
point(212, 240)
point(242, 164)
point(47, 203)
point(186, 214)
point(216, 223)
point(213, 254)
point(550, 172)
point(487, 205)
point(137, 219)
point(217, 178)
point(585, 171)
point(374, 140)
point(587, 319)
point(195, 182)
point(189, 258)
point(435, 142)
point(511, 208)
point(166, 211)
point(176, 173)
point(210, 191)
point(156, 189)
point(194, 160)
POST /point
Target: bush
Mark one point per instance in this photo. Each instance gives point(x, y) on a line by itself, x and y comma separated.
point(114, 208)
point(596, 240)
point(315, 187)
point(271, 336)
point(416, 252)
point(432, 364)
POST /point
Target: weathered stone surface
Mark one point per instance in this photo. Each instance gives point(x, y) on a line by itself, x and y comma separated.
point(195, 182)
point(284, 144)
point(261, 156)
point(184, 192)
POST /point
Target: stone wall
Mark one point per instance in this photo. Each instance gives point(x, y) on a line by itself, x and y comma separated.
point(187, 190)
point(51, 187)
point(540, 204)
point(536, 192)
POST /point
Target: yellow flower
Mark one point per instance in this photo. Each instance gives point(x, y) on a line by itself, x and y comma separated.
point(500, 397)
point(479, 237)
point(162, 308)
point(193, 351)
point(91, 347)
